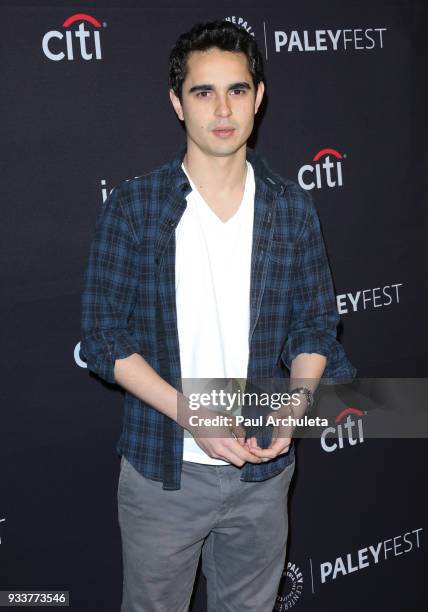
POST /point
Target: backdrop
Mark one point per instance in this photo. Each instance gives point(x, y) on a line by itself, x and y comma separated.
point(85, 105)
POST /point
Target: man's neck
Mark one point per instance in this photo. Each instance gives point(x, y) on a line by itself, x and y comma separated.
point(214, 174)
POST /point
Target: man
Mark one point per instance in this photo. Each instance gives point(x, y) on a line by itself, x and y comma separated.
point(209, 267)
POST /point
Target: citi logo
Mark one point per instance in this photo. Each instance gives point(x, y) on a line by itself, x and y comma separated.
point(325, 171)
point(87, 46)
point(343, 431)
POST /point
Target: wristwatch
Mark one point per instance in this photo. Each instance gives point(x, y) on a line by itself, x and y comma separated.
point(307, 393)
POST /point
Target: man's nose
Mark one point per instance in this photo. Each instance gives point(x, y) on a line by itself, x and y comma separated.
point(223, 106)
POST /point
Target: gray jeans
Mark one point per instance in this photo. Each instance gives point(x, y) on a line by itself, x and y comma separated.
point(240, 527)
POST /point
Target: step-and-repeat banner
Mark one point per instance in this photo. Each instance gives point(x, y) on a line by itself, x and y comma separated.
point(85, 105)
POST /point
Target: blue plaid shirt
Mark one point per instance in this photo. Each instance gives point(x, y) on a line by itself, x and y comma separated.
point(128, 301)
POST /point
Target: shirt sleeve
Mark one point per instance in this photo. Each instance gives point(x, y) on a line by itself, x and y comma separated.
point(315, 318)
point(109, 291)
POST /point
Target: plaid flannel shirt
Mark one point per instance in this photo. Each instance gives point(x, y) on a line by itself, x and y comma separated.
point(128, 301)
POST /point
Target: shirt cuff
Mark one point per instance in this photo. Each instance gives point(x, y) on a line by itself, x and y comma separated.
point(338, 369)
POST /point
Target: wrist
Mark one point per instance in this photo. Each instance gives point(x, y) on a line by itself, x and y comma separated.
point(306, 399)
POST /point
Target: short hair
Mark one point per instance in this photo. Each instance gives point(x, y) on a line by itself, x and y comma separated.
point(220, 33)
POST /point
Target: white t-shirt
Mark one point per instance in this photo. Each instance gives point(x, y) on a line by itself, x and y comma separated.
point(212, 272)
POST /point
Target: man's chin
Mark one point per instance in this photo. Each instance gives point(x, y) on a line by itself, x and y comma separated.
point(225, 149)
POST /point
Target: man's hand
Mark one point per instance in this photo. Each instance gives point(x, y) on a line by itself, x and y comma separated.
point(281, 437)
point(226, 446)
point(226, 442)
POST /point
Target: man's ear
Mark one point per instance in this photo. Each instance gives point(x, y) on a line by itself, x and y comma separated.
point(259, 96)
point(176, 104)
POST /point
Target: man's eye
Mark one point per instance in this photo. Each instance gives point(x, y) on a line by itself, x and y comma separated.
point(200, 94)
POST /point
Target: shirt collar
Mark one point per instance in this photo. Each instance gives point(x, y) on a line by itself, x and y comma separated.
point(259, 164)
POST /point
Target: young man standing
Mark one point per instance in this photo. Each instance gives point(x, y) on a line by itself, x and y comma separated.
point(209, 267)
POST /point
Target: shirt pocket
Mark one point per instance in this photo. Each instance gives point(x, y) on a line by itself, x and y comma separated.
point(282, 266)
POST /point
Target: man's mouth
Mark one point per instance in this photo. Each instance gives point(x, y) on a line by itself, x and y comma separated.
point(223, 132)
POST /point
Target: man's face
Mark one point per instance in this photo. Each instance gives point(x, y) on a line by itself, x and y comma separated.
point(218, 92)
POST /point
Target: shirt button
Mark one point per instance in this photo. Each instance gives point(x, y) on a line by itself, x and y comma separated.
point(185, 187)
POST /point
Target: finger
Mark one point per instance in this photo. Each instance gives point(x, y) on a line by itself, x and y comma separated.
point(252, 442)
point(279, 446)
point(263, 453)
point(240, 451)
point(240, 439)
point(239, 433)
point(233, 450)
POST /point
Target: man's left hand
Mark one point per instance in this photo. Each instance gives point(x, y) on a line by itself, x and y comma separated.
point(281, 437)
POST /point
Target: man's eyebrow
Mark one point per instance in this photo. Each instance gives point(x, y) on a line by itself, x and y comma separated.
point(208, 86)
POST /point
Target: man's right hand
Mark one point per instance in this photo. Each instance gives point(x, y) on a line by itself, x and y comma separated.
point(226, 442)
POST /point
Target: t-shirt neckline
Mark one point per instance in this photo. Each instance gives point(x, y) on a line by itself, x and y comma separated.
point(209, 211)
